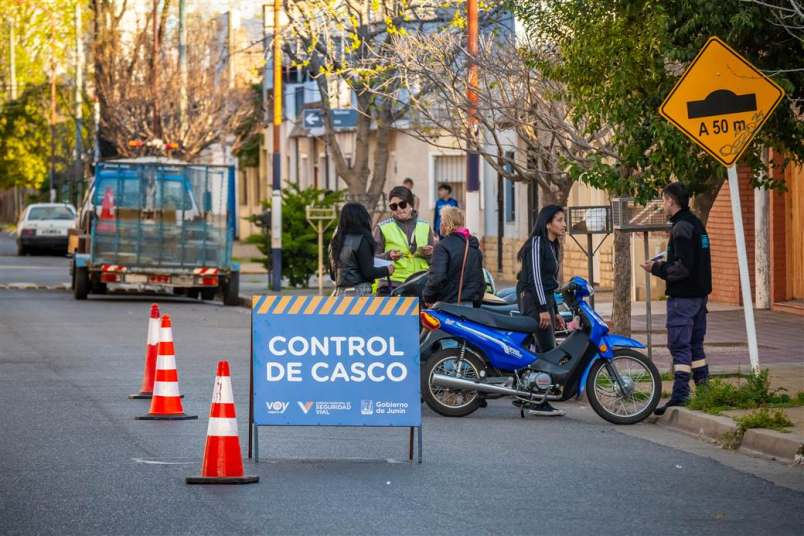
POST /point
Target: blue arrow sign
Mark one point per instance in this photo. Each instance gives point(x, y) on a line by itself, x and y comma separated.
point(341, 118)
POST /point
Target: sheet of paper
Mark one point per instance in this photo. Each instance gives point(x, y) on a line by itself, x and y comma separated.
point(381, 263)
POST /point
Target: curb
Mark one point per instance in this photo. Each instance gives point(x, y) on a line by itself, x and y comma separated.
point(787, 447)
point(34, 286)
point(756, 441)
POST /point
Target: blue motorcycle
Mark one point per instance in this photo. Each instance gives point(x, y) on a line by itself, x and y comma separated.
point(495, 357)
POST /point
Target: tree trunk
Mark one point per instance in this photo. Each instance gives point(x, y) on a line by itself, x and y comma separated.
point(621, 306)
point(381, 156)
point(703, 202)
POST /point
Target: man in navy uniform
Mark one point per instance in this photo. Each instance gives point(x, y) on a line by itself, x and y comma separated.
point(688, 273)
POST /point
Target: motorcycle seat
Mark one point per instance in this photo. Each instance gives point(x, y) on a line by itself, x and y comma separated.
point(518, 323)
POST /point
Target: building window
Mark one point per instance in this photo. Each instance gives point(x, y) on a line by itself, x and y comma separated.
point(298, 101)
point(510, 200)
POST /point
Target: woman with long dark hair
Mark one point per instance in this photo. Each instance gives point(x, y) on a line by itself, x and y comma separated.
point(351, 253)
point(538, 279)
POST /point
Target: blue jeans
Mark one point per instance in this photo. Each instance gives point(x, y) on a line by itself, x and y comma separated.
point(686, 329)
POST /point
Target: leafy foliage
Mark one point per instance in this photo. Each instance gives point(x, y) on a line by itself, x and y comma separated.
point(718, 395)
point(765, 418)
point(299, 239)
point(618, 59)
point(41, 36)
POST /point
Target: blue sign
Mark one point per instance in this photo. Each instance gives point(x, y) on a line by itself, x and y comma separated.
point(337, 361)
point(341, 118)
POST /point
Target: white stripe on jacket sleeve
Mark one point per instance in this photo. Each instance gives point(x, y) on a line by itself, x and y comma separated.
point(537, 269)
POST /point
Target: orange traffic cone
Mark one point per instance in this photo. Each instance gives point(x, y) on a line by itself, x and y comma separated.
point(107, 218)
point(166, 400)
point(223, 461)
point(151, 350)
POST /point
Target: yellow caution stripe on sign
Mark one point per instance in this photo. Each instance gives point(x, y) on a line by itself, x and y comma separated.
point(341, 305)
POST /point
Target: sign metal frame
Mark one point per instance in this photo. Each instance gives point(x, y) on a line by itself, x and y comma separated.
point(253, 428)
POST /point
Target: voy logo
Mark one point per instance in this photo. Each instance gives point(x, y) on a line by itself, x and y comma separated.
point(277, 407)
point(305, 406)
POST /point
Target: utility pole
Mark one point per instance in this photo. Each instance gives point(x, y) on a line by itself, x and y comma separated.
point(79, 102)
point(157, 131)
point(182, 71)
point(52, 172)
point(12, 65)
point(276, 196)
point(472, 156)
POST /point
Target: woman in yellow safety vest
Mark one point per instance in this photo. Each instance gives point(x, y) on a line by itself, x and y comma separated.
point(404, 239)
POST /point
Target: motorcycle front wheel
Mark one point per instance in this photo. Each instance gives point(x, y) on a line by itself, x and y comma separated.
point(637, 397)
point(446, 401)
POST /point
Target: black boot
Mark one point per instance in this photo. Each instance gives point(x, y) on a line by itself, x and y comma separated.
point(670, 403)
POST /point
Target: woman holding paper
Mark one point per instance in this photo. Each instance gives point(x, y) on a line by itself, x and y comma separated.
point(351, 253)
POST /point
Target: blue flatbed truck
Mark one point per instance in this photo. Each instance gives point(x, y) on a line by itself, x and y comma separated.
point(155, 224)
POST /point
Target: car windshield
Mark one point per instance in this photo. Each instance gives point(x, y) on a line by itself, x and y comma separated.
point(50, 213)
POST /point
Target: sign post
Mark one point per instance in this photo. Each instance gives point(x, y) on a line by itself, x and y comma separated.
point(721, 102)
point(320, 219)
point(336, 361)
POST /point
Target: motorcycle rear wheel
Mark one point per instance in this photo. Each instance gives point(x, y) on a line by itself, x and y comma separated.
point(443, 400)
point(643, 378)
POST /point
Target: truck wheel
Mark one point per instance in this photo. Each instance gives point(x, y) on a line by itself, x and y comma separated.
point(81, 286)
point(231, 289)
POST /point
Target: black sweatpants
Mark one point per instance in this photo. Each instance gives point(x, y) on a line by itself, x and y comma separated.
point(545, 338)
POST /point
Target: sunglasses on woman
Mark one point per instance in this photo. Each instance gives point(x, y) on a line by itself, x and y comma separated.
point(401, 205)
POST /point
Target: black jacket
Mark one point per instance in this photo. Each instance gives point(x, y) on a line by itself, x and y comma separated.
point(445, 271)
point(539, 274)
point(355, 264)
point(688, 269)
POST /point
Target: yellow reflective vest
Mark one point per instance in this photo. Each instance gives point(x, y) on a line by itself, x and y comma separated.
point(409, 263)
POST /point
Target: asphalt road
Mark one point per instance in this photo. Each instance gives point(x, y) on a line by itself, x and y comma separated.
point(74, 461)
point(44, 269)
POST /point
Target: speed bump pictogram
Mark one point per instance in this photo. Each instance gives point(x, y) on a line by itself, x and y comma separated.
point(721, 101)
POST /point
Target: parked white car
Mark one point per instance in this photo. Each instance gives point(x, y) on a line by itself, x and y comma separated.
point(45, 226)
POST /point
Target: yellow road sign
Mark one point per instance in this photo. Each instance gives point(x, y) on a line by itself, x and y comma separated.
point(721, 101)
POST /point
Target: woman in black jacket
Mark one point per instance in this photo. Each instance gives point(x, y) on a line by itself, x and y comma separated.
point(351, 253)
point(538, 279)
point(444, 277)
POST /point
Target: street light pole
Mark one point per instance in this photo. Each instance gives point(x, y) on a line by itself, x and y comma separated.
point(155, 69)
point(52, 172)
point(472, 156)
point(79, 102)
point(276, 196)
point(182, 71)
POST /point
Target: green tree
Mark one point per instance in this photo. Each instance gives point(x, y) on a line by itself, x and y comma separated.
point(25, 138)
point(43, 41)
point(618, 59)
point(299, 239)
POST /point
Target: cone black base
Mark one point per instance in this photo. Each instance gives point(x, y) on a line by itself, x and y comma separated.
point(144, 396)
point(222, 480)
point(178, 417)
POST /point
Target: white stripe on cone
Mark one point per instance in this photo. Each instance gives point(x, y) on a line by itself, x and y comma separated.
point(154, 325)
point(166, 389)
point(222, 427)
point(222, 393)
point(166, 362)
point(166, 334)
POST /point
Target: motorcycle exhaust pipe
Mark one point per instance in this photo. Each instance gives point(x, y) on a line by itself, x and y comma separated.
point(470, 385)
